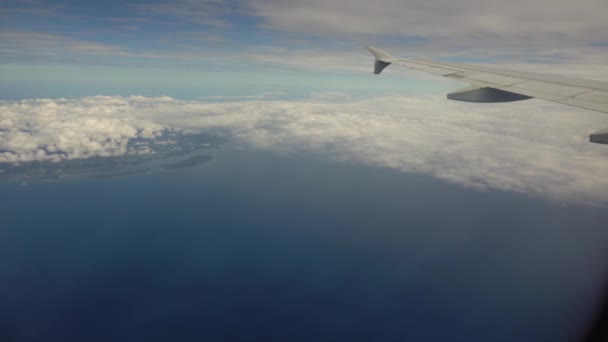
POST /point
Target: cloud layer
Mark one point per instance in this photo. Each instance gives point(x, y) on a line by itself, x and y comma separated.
point(445, 18)
point(531, 147)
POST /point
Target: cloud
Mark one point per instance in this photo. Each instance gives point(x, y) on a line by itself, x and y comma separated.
point(315, 34)
point(552, 30)
point(531, 147)
point(206, 12)
point(19, 46)
point(29, 7)
point(54, 130)
point(24, 43)
point(548, 19)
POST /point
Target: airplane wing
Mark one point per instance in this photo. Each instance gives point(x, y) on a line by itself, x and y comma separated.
point(491, 85)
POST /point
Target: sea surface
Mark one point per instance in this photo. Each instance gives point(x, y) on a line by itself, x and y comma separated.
point(254, 246)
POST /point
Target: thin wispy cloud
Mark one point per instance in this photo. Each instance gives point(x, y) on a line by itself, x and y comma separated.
point(29, 7)
point(45, 44)
point(206, 12)
point(270, 31)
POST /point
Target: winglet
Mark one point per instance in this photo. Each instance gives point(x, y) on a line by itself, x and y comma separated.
point(383, 59)
point(380, 55)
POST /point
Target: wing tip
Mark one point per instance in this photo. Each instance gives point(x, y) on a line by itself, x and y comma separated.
point(379, 54)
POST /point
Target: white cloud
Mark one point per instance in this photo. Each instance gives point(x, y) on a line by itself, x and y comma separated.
point(489, 21)
point(32, 41)
point(550, 30)
point(530, 147)
point(207, 12)
point(45, 129)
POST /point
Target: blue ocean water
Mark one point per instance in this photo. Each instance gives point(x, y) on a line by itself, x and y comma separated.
point(257, 247)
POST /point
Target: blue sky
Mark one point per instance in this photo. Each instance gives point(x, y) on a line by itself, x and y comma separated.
point(143, 34)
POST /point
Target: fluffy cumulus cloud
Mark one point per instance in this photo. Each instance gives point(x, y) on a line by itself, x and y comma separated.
point(53, 130)
point(530, 147)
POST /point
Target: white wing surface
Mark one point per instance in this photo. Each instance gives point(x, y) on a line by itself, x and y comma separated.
point(497, 85)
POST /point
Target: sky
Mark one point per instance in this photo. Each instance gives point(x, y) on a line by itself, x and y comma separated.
point(299, 75)
point(167, 162)
point(82, 79)
point(315, 35)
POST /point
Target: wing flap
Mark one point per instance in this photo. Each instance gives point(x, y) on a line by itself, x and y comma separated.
point(596, 106)
point(552, 88)
point(440, 71)
point(461, 74)
point(597, 85)
point(594, 96)
point(495, 79)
